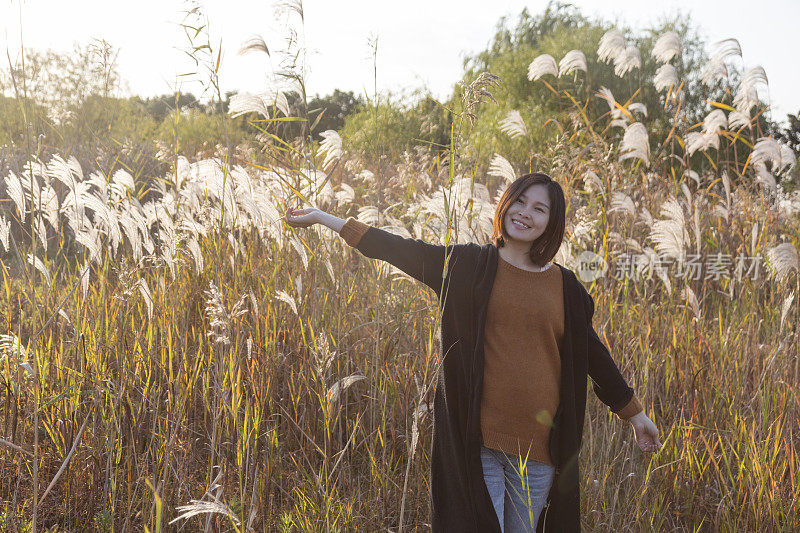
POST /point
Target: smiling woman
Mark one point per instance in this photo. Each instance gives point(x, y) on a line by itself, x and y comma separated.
point(519, 343)
point(530, 211)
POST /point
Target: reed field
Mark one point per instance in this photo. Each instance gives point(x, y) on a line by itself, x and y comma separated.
point(175, 357)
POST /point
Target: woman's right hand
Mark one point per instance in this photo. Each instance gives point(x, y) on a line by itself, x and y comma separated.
point(301, 218)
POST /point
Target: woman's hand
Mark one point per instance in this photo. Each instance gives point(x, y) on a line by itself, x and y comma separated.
point(301, 218)
point(646, 432)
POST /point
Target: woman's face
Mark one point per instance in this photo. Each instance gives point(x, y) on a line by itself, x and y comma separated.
point(532, 209)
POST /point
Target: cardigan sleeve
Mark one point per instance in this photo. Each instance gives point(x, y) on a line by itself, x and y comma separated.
point(607, 381)
point(421, 260)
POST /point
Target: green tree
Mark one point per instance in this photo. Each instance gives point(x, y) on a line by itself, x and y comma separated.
point(544, 104)
point(160, 107)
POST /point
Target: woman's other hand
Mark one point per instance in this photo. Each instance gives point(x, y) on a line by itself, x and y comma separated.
point(646, 432)
point(301, 218)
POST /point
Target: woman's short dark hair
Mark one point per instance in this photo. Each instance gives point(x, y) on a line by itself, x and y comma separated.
point(546, 246)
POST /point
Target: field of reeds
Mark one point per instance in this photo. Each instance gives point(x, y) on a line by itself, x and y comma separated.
point(174, 357)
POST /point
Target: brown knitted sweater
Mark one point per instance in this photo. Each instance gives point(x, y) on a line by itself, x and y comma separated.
point(522, 365)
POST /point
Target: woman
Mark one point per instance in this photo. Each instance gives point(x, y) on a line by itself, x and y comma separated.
point(518, 347)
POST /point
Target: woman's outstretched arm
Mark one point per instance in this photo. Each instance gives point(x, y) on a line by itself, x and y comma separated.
point(419, 259)
point(612, 389)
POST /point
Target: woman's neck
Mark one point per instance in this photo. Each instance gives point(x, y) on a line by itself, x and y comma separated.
point(519, 258)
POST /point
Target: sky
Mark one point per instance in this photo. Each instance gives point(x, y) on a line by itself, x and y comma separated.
point(420, 43)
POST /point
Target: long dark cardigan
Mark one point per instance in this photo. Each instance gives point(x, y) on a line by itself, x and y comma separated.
point(460, 501)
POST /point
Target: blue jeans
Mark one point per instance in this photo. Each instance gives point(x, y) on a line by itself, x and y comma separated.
point(517, 504)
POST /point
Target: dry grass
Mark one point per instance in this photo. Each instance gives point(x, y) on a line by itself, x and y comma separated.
point(233, 374)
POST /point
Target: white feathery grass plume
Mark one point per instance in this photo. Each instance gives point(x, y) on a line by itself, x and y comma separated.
point(217, 315)
point(170, 239)
point(622, 202)
point(10, 346)
point(243, 189)
point(48, 206)
point(788, 158)
point(691, 299)
point(32, 187)
point(645, 217)
point(245, 102)
point(5, 232)
point(300, 249)
point(727, 48)
point(323, 358)
point(279, 100)
point(666, 77)
point(670, 236)
point(196, 507)
point(782, 259)
point(615, 237)
point(634, 245)
point(368, 214)
point(285, 297)
point(331, 274)
point(738, 120)
point(287, 7)
point(627, 61)
point(612, 44)
point(639, 107)
point(652, 264)
point(726, 184)
point(345, 194)
point(253, 301)
point(11, 349)
point(130, 226)
point(764, 176)
point(513, 125)
point(584, 227)
point(340, 386)
point(98, 181)
point(541, 65)
point(619, 123)
point(698, 237)
point(197, 255)
point(366, 176)
point(769, 149)
point(254, 44)
point(747, 95)
point(298, 285)
point(85, 275)
point(754, 235)
point(787, 304)
point(144, 290)
point(41, 231)
point(715, 121)
point(121, 182)
point(501, 168)
point(689, 173)
point(667, 46)
point(605, 94)
point(331, 146)
point(421, 410)
point(687, 193)
point(16, 193)
point(592, 183)
point(234, 242)
point(713, 70)
point(574, 59)
point(90, 239)
point(635, 143)
point(40, 266)
point(696, 140)
point(60, 170)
